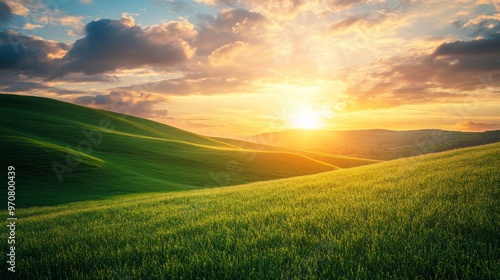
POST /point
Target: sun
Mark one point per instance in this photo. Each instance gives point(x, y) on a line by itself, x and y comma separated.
point(306, 120)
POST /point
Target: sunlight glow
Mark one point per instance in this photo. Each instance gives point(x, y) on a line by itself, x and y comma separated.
point(306, 120)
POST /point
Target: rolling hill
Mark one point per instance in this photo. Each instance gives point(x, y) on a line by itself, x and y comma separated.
point(64, 152)
point(339, 161)
point(377, 143)
point(428, 217)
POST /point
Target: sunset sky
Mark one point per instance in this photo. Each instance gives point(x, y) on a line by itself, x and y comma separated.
point(235, 68)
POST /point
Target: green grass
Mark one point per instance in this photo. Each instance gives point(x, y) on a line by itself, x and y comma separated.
point(428, 217)
point(99, 154)
point(336, 160)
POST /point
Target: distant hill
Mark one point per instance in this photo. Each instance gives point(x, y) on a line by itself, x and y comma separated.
point(64, 152)
point(377, 143)
point(337, 160)
point(429, 217)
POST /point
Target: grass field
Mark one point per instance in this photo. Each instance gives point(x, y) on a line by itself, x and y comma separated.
point(336, 160)
point(428, 217)
point(65, 153)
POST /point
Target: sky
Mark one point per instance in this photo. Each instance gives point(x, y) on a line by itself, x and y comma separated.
point(236, 68)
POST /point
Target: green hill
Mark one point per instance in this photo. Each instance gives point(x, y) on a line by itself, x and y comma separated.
point(339, 161)
point(428, 217)
point(378, 144)
point(64, 152)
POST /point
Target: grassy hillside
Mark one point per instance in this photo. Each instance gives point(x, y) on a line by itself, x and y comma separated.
point(428, 217)
point(339, 161)
point(378, 143)
point(64, 152)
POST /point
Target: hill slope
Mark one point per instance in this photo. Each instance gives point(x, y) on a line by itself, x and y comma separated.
point(339, 161)
point(64, 152)
point(378, 143)
point(428, 217)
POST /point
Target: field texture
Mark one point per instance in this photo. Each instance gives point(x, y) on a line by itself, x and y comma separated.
point(428, 217)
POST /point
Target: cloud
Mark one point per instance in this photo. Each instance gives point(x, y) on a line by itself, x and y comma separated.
point(476, 126)
point(27, 55)
point(120, 44)
point(453, 72)
point(73, 33)
point(5, 12)
point(460, 65)
point(344, 3)
point(17, 8)
point(258, 3)
point(21, 86)
point(195, 84)
point(361, 20)
point(29, 26)
point(64, 20)
point(62, 91)
point(277, 9)
point(483, 25)
point(81, 78)
point(232, 56)
point(486, 47)
point(228, 53)
point(229, 26)
point(142, 105)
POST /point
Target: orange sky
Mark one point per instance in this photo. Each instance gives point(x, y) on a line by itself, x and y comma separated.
point(235, 68)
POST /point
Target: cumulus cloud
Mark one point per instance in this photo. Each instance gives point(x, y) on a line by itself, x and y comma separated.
point(242, 48)
point(137, 104)
point(228, 53)
point(120, 44)
point(475, 57)
point(232, 56)
point(229, 26)
point(223, 54)
point(460, 65)
point(449, 74)
point(27, 55)
point(487, 47)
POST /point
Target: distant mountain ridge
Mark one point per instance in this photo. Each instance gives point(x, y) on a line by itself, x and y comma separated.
point(378, 143)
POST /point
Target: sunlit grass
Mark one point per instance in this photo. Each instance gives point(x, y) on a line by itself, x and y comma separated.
point(126, 155)
point(430, 217)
